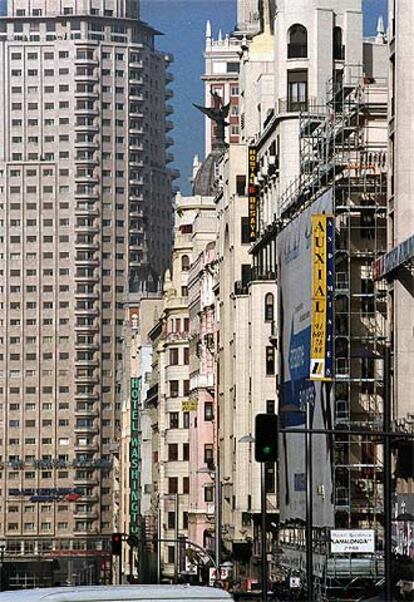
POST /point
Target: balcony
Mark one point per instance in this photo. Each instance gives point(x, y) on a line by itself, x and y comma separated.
point(86, 413)
point(87, 77)
point(89, 481)
point(86, 430)
point(92, 515)
point(87, 94)
point(90, 361)
point(87, 447)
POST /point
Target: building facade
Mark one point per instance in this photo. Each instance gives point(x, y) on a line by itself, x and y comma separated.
point(86, 216)
point(221, 76)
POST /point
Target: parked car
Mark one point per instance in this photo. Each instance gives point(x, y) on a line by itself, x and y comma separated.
point(116, 593)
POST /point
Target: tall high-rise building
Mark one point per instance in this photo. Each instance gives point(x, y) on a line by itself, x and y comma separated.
point(86, 215)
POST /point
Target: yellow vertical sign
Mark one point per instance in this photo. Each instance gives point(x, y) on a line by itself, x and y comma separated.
point(319, 297)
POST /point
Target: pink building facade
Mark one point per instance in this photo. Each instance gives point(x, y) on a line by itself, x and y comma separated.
point(201, 525)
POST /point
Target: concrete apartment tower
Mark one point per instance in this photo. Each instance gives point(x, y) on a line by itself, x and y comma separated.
point(86, 215)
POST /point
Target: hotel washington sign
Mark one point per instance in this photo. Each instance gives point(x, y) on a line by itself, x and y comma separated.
point(134, 476)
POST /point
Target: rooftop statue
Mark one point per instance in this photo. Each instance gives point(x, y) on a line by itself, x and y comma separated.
point(218, 113)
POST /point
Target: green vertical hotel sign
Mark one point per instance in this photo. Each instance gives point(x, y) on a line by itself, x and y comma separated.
point(134, 476)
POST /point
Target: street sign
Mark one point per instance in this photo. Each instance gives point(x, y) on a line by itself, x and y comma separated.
point(294, 582)
point(212, 576)
point(346, 541)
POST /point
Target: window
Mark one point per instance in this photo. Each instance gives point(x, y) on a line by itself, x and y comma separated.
point(186, 485)
point(173, 452)
point(245, 231)
point(270, 406)
point(186, 356)
point(186, 420)
point(270, 361)
point(185, 263)
point(186, 388)
point(174, 391)
point(186, 452)
point(297, 42)
point(171, 520)
point(208, 453)
point(269, 307)
point(174, 357)
point(297, 90)
point(338, 47)
point(173, 485)
point(174, 424)
point(171, 552)
point(208, 411)
point(208, 493)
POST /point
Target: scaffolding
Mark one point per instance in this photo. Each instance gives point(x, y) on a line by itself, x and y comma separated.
point(343, 147)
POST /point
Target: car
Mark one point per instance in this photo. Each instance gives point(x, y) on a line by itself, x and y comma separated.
point(116, 593)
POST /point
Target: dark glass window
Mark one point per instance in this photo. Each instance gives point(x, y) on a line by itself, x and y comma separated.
point(297, 90)
point(208, 411)
point(269, 307)
point(245, 231)
point(172, 452)
point(174, 420)
point(298, 42)
point(270, 361)
point(338, 47)
point(173, 485)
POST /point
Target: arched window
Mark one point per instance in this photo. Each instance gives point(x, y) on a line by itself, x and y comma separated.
point(297, 42)
point(185, 263)
point(338, 47)
point(269, 307)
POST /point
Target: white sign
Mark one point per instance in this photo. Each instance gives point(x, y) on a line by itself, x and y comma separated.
point(346, 541)
point(294, 582)
point(212, 576)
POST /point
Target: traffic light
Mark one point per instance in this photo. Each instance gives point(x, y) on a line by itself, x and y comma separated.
point(116, 544)
point(266, 434)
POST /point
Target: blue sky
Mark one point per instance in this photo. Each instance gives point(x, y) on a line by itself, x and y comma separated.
point(183, 25)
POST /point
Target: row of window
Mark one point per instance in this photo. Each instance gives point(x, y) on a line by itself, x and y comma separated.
point(298, 43)
point(174, 417)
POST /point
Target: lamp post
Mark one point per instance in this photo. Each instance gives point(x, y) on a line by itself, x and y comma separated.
point(263, 503)
point(2, 550)
point(214, 474)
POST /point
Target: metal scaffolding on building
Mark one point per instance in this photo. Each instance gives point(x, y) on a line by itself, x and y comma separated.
point(344, 148)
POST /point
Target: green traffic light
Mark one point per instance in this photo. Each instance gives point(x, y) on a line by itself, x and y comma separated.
point(267, 450)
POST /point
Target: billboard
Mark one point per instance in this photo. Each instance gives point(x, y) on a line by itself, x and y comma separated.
point(303, 335)
point(347, 541)
point(321, 352)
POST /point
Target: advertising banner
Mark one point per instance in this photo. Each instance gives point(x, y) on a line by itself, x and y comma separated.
point(134, 476)
point(322, 297)
point(302, 336)
point(346, 541)
point(252, 192)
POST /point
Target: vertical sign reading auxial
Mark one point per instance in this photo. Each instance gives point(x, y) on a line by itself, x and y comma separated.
point(252, 193)
point(134, 476)
point(321, 356)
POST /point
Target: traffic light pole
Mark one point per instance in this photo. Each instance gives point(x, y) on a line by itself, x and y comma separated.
point(264, 550)
point(120, 569)
point(309, 504)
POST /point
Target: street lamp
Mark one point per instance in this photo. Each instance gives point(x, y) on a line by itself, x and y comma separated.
point(2, 550)
point(215, 476)
point(250, 439)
